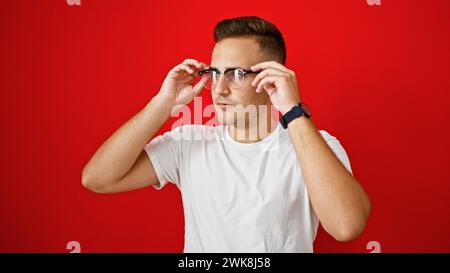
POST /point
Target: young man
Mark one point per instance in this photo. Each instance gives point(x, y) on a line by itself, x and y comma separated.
point(251, 186)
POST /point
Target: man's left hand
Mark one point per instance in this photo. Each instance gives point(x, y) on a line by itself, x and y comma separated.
point(279, 82)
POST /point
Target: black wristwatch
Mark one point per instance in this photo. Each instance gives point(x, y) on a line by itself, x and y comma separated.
point(296, 112)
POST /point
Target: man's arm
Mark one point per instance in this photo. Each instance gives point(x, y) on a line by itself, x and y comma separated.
point(121, 163)
point(339, 201)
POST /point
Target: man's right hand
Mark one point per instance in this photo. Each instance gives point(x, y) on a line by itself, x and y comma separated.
point(177, 89)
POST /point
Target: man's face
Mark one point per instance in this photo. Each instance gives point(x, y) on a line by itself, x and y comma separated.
point(240, 52)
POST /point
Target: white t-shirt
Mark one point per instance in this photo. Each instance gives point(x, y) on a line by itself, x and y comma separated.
point(238, 197)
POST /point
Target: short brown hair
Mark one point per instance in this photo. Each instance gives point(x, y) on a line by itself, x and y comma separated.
point(267, 35)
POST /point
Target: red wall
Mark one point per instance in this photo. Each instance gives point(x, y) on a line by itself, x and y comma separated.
point(377, 77)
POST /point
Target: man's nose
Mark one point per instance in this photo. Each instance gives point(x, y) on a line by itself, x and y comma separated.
point(221, 87)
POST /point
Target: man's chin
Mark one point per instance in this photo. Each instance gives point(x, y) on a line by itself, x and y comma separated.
point(226, 119)
point(228, 122)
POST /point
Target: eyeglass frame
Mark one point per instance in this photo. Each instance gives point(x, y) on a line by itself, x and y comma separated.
point(211, 69)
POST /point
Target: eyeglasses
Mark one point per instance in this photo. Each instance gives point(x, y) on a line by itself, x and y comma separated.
point(235, 77)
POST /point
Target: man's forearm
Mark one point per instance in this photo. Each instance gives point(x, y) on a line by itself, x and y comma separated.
point(119, 152)
point(337, 198)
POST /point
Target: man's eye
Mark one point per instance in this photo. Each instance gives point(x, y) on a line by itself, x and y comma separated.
point(235, 74)
point(215, 75)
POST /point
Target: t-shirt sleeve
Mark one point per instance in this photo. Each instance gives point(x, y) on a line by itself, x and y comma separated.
point(164, 152)
point(338, 150)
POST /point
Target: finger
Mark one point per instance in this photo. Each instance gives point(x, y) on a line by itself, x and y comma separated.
point(271, 64)
point(267, 80)
point(267, 72)
point(199, 86)
point(183, 67)
point(199, 67)
point(194, 63)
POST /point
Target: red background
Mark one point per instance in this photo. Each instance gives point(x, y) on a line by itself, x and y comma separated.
point(377, 77)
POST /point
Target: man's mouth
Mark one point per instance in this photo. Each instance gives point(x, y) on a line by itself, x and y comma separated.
point(224, 105)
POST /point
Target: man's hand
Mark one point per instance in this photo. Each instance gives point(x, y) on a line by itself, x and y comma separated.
point(177, 89)
point(279, 82)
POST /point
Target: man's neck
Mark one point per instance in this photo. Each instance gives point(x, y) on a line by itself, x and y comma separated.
point(251, 133)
